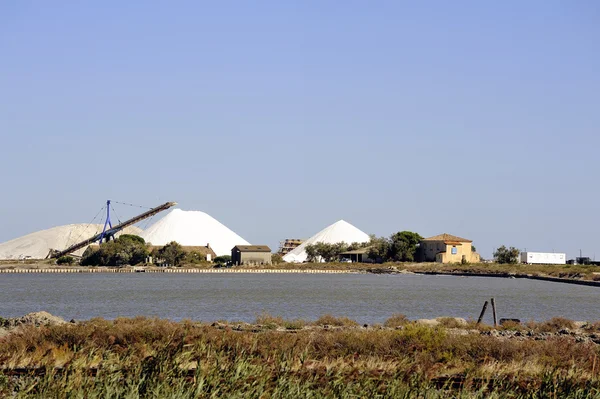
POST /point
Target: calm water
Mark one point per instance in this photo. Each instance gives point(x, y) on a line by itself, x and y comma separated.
point(365, 298)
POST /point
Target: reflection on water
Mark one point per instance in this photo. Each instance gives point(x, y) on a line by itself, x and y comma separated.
point(364, 298)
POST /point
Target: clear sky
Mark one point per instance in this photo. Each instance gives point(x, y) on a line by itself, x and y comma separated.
point(475, 118)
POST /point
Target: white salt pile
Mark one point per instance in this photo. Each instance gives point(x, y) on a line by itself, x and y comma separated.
point(340, 231)
point(37, 245)
point(193, 228)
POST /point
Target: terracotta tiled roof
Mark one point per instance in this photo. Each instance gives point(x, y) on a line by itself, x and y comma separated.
point(447, 238)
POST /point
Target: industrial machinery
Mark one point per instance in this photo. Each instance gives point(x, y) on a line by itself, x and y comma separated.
point(109, 231)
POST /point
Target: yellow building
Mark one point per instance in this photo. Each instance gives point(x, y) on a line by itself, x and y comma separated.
point(446, 248)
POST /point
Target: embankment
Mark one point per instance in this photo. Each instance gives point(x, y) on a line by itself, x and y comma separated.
point(570, 274)
point(168, 270)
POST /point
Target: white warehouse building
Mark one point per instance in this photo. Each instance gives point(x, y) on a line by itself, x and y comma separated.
point(543, 258)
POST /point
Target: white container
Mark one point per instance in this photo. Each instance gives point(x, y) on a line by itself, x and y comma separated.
point(543, 258)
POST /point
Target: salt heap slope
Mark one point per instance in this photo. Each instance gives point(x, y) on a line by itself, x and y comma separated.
point(340, 231)
point(37, 245)
point(193, 228)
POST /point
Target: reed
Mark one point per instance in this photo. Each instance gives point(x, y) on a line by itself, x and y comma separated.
point(151, 358)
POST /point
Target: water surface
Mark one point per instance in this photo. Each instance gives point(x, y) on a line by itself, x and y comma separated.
point(366, 298)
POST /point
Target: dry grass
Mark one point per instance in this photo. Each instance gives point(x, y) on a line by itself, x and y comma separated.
point(272, 322)
point(553, 325)
point(512, 326)
point(145, 357)
point(396, 320)
point(451, 322)
point(329, 320)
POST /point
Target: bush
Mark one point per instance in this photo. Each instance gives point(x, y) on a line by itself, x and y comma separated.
point(269, 321)
point(555, 324)
point(172, 253)
point(325, 251)
point(329, 320)
point(65, 260)
point(451, 322)
point(223, 259)
point(505, 255)
point(512, 326)
point(195, 257)
point(399, 247)
point(396, 320)
point(126, 249)
point(297, 324)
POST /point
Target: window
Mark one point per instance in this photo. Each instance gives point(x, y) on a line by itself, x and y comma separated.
point(454, 250)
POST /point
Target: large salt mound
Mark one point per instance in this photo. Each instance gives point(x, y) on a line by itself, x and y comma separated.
point(193, 228)
point(37, 245)
point(340, 231)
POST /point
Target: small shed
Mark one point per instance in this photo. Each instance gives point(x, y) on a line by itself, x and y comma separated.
point(251, 255)
point(360, 255)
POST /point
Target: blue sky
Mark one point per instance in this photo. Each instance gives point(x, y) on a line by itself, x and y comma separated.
point(479, 119)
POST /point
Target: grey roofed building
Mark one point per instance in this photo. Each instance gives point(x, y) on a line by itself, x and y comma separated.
point(251, 255)
point(360, 255)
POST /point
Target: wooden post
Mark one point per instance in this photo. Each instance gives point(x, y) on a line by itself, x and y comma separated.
point(482, 312)
point(494, 312)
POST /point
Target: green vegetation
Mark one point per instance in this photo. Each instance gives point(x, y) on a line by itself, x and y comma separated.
point(276, 259)
point(399, 247)
point(396, 320)
point(329, 320)
point(194, 258)
point(505, 255)
point(127, 249)
point(151, 358)
point(222, 260)
point(325, 251)
point(65, 260)
point(330, 252)
point(172, 253)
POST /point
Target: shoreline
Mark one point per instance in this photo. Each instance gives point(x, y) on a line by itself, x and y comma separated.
point(176, 271)
point(568, 274)
point(431, 270)
point(551, 279)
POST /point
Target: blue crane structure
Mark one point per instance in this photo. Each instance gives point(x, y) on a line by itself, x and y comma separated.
point(109, 231)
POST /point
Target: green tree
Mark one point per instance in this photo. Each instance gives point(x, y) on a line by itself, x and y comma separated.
point(336, 250)
point(403, 246)
point(65, 260)
point(311, 252)
point(379, 248)
point(131, 238)
point(125, 250)
point(223, 259)
point(172, 253)
point(325, 251)
point(276, 258)
point(506, 255)
point(357, 245)
point(195, 257)
point(399, 247)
